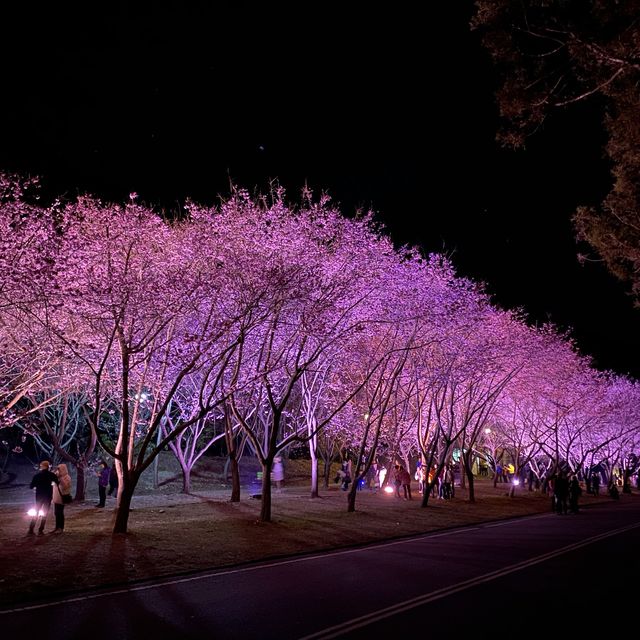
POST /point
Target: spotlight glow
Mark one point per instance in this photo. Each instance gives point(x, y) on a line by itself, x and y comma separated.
point(388, 489)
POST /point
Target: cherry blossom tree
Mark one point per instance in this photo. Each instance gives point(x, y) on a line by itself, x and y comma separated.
point(316, 270)
point(28, 239)
point(140, 304)
point(277, 325)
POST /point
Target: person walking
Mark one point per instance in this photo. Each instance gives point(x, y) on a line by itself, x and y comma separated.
point(61, 496)
point(103, 482)
point(42, 482)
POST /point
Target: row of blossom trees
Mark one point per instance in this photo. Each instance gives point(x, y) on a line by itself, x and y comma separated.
point(282, 326)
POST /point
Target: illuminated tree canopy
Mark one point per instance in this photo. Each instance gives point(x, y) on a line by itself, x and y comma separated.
point(288, 325)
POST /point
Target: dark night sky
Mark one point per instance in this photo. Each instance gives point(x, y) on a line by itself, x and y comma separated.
point(391, 111)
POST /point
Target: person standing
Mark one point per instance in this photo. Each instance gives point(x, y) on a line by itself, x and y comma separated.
point(113, 479)
point(42, 482)
point(103, 482)
point(561, 493)
point(405, 479)
point(346, 474)
point(397, 479)
point(595, 483)
point(277, 474)
point(61, 495)
point(574, 494)
point(422, 486)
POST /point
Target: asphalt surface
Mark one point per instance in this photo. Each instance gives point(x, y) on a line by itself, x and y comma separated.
point(527, 577)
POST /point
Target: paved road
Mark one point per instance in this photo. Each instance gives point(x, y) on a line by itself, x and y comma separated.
point(515, 579)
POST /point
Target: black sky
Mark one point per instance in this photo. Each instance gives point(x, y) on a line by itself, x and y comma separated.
point(391, 110)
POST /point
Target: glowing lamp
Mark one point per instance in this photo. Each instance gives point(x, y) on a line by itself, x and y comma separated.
point(516, 481)
point(388, 489)
point(33, 513)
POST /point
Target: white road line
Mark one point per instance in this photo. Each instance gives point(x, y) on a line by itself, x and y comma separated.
point(362, 621)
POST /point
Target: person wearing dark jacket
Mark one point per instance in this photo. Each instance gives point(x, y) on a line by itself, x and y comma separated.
point(43, 483)
point(113, 480)
point(561, 493)
point(103, 482)
point(574, 494)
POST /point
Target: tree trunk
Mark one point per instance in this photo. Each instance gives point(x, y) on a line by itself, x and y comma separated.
point(81, 483)
point(232, 459)
point(314, 478)
point(235, 479)
point(313, 452)
point(265, 511)
point(427, 492)
point(186, 479)
point(327, 472)
point(124, 506)
point(468, 471)
point(351, 497)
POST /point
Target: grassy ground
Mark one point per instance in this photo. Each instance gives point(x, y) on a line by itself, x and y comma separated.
point(171, 533)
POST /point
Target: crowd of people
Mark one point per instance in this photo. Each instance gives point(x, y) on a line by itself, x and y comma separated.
point(442, 486)
point(53, 485)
